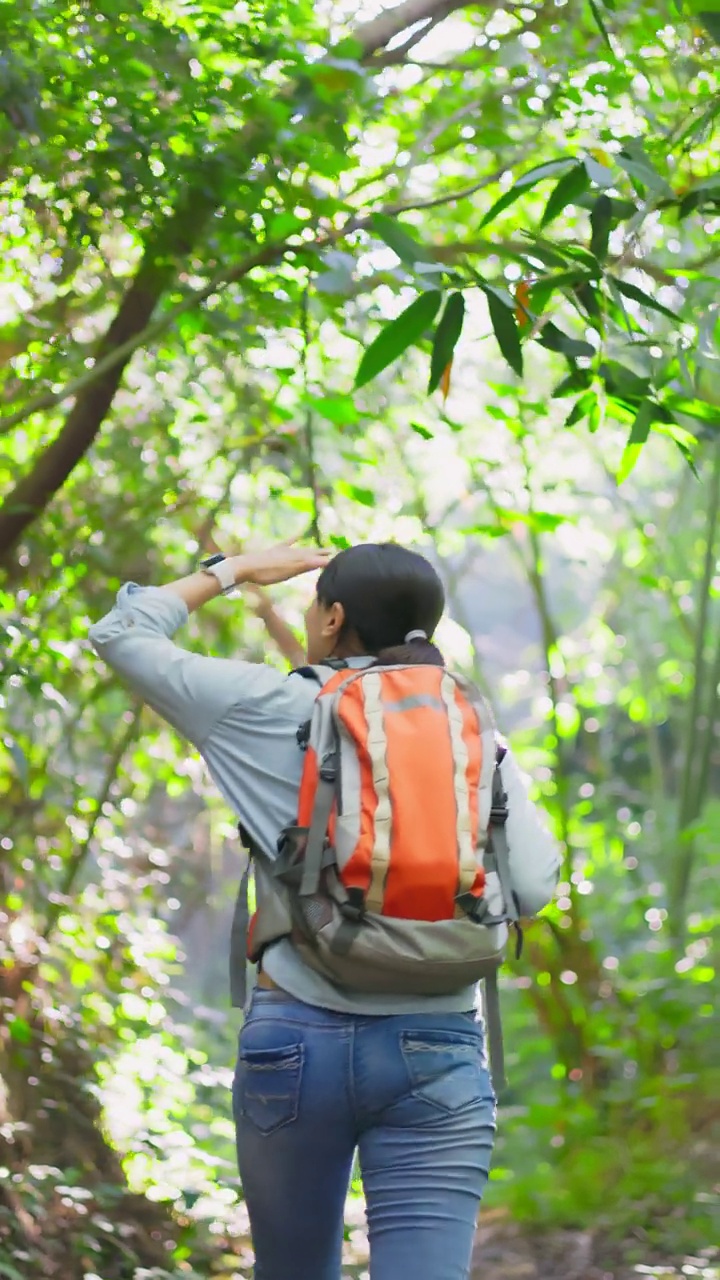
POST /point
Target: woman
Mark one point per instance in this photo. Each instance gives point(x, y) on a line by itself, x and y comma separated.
point(323, 1071)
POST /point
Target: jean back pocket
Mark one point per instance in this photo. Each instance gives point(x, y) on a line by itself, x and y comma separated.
point(446, 1069)
point(267, 1085)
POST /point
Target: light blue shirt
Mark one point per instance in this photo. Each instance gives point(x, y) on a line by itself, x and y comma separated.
point(243, 718)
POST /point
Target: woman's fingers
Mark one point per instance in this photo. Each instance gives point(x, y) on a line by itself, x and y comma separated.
point(277, 564)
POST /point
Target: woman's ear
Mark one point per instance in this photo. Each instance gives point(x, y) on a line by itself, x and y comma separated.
point(333, 621)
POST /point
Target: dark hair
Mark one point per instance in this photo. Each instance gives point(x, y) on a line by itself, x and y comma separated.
point(386, 592)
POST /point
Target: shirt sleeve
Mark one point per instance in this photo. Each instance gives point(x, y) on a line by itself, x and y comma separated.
point(189, 690)
point(534, 853)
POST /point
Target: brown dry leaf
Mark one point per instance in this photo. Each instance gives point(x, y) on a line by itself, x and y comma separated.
point(522, 298)
point(445, 380)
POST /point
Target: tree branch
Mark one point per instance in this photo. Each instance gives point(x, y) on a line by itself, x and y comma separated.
point(224, 276)
point(378, 33)
point(397, 56)
point(171, 243)
point(121, 353)
point(450, 197)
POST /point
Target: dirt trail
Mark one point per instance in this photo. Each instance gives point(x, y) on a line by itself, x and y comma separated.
point(504, 1252)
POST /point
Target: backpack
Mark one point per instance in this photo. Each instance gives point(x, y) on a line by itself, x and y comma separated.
point(381, 882)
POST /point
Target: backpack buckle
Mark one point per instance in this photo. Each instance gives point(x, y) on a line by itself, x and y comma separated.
point(353, 908)
point(476, 909)
point(498, 816)
point(328, 769)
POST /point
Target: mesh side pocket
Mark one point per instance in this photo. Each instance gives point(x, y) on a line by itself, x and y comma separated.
point(318, 912)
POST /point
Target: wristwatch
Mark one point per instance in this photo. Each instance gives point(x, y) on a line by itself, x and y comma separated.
point(219, 566)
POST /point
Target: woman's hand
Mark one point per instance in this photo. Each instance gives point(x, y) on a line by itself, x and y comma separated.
point(279, 563)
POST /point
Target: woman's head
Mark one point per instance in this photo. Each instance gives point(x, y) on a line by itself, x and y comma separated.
point(369, 598)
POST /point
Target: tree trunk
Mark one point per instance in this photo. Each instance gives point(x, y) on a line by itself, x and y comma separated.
point(55, 464)
point(32, 494)
point(700, 728)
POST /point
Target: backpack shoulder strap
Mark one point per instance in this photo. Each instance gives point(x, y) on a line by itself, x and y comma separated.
point(238, 940)
point(321, 672)
point(499, 859)
point(499, 856)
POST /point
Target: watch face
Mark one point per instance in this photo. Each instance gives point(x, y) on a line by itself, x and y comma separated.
point(211, 560)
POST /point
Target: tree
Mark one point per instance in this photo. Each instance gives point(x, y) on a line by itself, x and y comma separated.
point(218, 199)
point(238, 271)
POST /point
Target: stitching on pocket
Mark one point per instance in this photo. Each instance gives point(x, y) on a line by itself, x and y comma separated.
point(269, 1086)
point(430, 1057)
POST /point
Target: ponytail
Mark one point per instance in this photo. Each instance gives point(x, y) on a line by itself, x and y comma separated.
point(416, 650)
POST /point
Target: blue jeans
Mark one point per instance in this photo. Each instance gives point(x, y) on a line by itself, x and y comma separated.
point(412, 1093)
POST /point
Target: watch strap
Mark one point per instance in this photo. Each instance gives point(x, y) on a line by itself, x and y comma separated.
point(220, 568)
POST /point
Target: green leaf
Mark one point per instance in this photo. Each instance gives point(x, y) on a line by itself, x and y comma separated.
point(545, 521)
point(704, 195)
point(600, 225)
point(424, 432)
point(528, 180)
point(549, 255)
point(638, 435)
point(699, 126)
point(20, 1030)
point(446, 338)
point(541, 292)
point(574, 258)
point(366, 497)
point(338, 409)
point(711, 21)
point(683, 440)
point(578, 253)
point(639, 167)
point(80, 974)
point(598, 173)
point(10, 1272)
point(572, 184)
point(624, 382)
point(711, 184)
point(576, 381)
point(587, 296)
point(555, 340)
point(582, 407)
point(502, 318)
point(401, 333)
point(283, 225)
point(404, 245)
point(616, 309)
point(693, 408)
point(190, 1199)
point(623, 209)
point(638, 295)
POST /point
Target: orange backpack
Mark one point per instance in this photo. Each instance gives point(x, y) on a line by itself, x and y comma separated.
point(401, 814)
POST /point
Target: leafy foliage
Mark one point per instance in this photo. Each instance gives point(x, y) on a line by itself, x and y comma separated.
point(268, 273)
